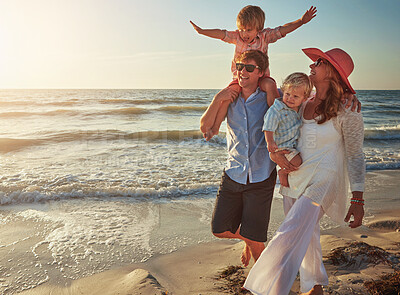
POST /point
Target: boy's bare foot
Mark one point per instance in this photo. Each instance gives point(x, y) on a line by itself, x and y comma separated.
point(246, 255)
point(317, 290)
point(283, 178)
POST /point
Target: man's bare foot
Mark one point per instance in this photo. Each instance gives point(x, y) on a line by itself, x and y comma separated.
point(317, 290)
point(256, 248)
point(283, 178)
point(246, 255)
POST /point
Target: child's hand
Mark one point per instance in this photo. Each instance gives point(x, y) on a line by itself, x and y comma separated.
point(208, 135)
point(228, 94)
point(272, 147)
point(309, 15)
point(197, 28)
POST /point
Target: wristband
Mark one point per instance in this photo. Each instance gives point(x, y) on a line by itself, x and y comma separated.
point(357, 201)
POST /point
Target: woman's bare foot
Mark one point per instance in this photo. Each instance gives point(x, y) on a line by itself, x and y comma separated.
point(246, 255)
point(317, 290)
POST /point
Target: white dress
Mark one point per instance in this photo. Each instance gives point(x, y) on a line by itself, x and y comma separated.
point(328, 151)
point(323, 175)
point(320, 177)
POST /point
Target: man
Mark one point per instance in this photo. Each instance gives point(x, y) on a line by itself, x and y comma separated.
point(244, 198)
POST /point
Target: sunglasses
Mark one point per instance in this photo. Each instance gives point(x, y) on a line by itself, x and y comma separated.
point(249, 68)
point(318, 62)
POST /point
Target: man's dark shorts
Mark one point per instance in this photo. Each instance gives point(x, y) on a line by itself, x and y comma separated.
point(245, 205)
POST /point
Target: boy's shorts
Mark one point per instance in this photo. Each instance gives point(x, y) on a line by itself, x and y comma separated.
point(293, 153)
point(245, 205)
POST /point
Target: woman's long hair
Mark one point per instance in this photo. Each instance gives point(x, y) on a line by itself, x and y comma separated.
point(329, 107)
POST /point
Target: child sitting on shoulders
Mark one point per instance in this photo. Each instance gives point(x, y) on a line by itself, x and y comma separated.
point(282, 121)
point(251, 35)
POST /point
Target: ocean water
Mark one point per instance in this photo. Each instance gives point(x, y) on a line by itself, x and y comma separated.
point(117, 176)
point(57, 144)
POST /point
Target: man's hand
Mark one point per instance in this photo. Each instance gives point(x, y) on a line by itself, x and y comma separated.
point(352, 101)
point(280, 159)
point(309, 15)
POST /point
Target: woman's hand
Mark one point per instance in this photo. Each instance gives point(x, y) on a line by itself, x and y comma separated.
point(280, 159)
point(357, 211)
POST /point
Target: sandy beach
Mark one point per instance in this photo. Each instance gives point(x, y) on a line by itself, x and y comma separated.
point(211, 268)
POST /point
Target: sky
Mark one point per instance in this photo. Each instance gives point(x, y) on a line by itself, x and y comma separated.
point(129, 44)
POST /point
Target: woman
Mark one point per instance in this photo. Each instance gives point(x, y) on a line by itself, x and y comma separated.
point(330, 144)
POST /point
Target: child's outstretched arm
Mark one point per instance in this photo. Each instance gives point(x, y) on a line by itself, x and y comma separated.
point(212, 33)
point(290, 27)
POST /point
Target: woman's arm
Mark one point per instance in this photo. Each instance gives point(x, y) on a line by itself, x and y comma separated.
point(353, 136)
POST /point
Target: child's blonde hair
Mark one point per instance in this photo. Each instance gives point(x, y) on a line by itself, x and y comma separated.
point(298, 80)
point(251, 17)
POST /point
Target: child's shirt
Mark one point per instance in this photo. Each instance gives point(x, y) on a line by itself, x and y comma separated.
point(260, 42)
point(284, 122)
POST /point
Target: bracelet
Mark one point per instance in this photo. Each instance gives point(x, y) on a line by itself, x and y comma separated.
point(357, 201)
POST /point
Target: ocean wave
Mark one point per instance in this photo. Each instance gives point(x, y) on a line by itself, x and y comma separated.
point(139, 194)
point(30, 103)
point(383, 166)
point(49, 113)
point(383, 133)
point(71, 187)
point(127, 111)
point(182, 109)
point(153, 101)
point(14, 144)
point(85, 113)
point(124, 111)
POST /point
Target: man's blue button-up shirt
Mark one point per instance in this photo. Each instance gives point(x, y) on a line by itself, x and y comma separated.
point(248, 156)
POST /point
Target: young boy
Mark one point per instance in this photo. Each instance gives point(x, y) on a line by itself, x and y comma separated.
point(250, 35)
point(282, 121)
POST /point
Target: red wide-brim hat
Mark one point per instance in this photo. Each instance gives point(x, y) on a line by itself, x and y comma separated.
point(338, 58)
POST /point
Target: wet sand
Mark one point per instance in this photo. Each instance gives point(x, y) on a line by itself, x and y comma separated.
point(196, 269)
